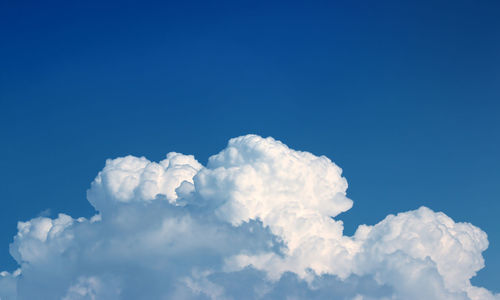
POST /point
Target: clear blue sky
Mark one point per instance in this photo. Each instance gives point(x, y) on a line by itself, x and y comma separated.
point(404, 97)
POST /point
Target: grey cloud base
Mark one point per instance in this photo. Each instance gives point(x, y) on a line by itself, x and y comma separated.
point(258, 222)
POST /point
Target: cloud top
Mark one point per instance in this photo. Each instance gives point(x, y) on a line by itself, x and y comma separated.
point(258, 222)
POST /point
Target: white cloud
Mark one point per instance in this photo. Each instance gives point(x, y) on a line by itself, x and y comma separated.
point(136, 179)
point(8, 283)
point(255, 223)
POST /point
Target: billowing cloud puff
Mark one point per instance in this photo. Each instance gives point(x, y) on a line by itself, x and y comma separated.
point(136, 179)
point(258, 222)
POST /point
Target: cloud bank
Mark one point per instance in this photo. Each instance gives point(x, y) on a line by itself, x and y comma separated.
point(258, 222)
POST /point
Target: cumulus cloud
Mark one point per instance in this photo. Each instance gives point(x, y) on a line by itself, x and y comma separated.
point(258, 222)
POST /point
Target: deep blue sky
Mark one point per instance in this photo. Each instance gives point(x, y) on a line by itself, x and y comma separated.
point(404, 97)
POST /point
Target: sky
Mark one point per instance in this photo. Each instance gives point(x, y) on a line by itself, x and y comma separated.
point(404, 97)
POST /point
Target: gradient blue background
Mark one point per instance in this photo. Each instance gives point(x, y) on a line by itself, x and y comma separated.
point(404, 97)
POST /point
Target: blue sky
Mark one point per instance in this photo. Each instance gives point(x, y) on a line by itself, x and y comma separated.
point(403, 97)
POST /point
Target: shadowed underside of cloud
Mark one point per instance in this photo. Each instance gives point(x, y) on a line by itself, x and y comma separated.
point(258, 222)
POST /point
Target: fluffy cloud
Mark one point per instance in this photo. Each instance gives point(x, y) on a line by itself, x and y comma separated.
point(258, 222)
